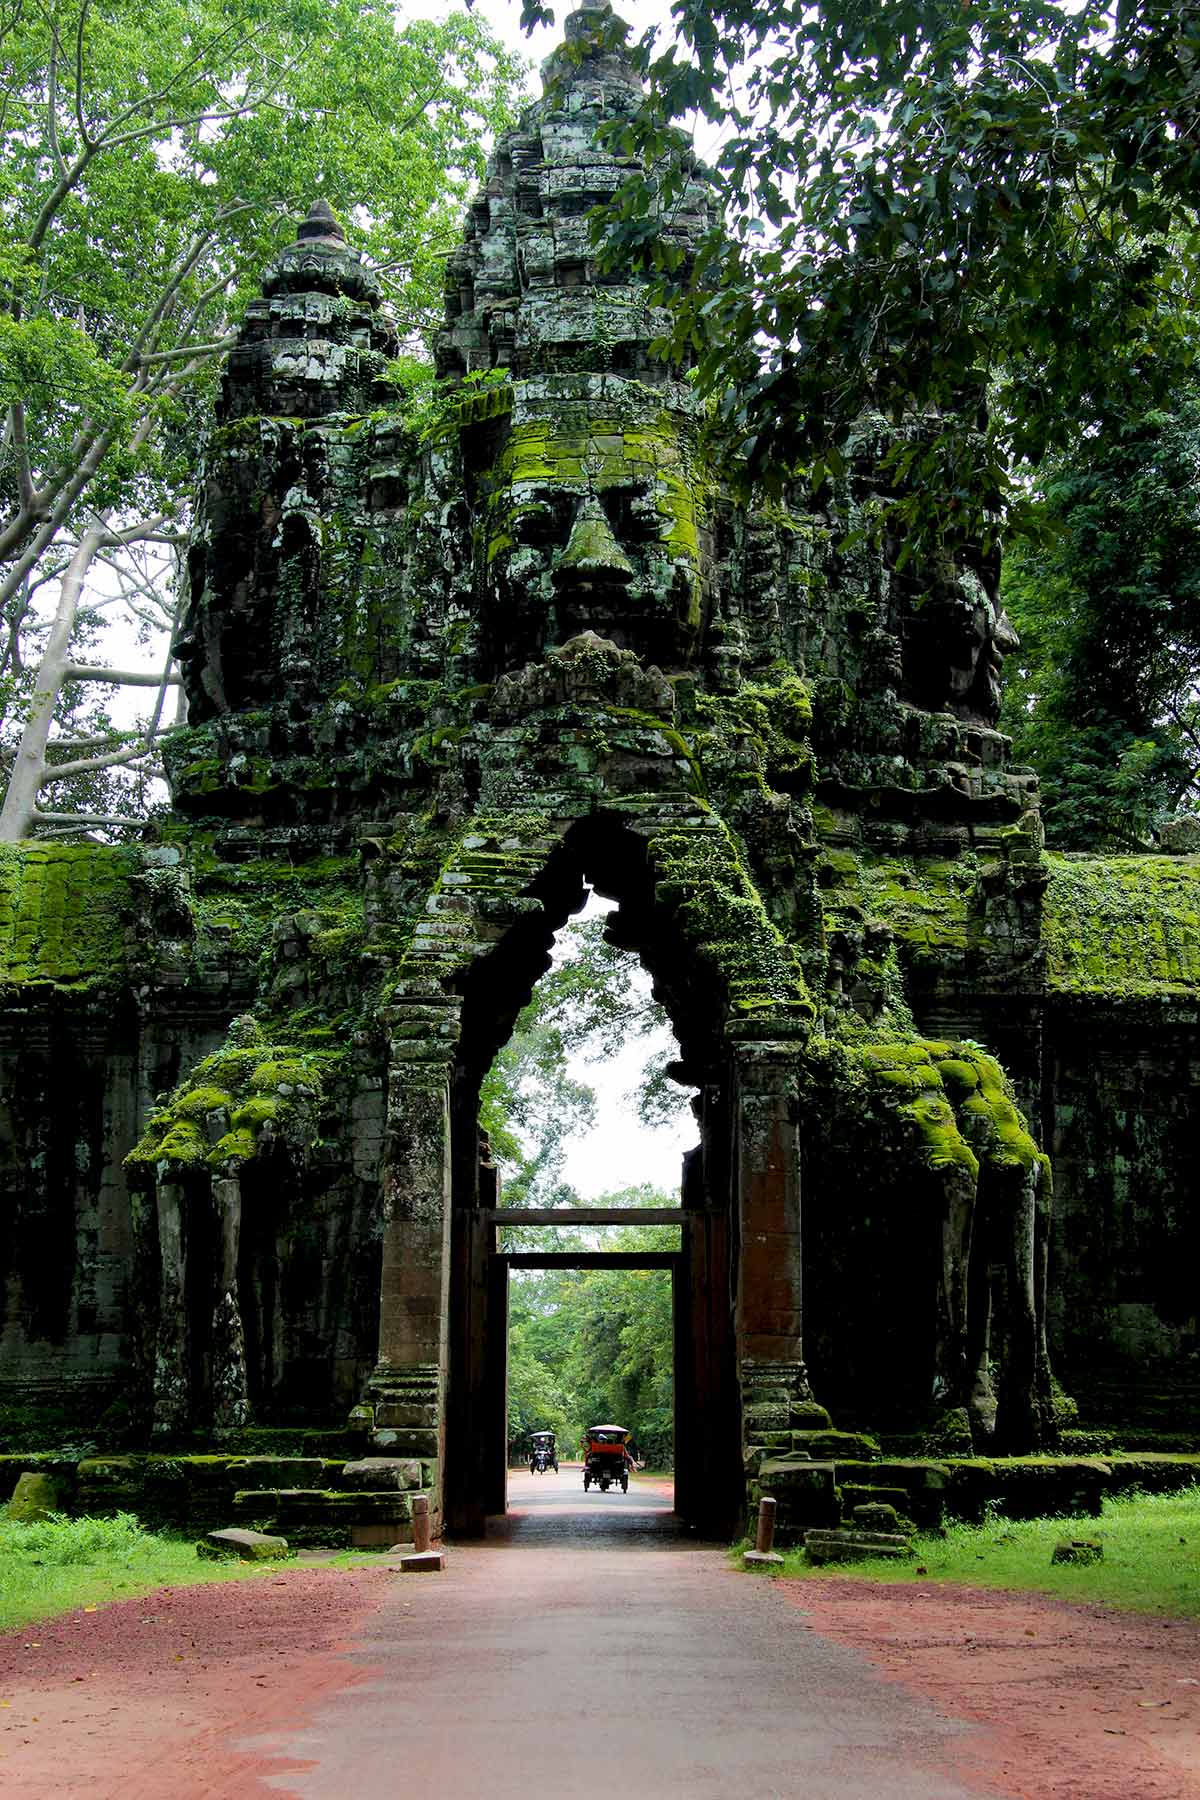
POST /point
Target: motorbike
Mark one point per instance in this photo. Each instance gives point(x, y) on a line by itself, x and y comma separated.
point(543, 1453)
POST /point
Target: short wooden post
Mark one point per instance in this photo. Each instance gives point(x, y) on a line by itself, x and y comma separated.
point(762, 1553)
point(766, 1525)
point(420, 1523)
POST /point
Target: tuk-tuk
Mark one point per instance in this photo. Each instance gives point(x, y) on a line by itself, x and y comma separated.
point(543, 1452)
point(606, 1457)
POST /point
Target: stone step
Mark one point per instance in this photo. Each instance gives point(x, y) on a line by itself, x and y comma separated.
point(368, 1519)
point(851, 1545)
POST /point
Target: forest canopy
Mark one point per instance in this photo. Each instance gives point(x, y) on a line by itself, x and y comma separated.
point(985, 218)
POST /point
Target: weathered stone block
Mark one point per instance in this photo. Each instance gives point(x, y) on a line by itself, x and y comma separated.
point(1028, 1487)
point(34, 1497)
point(412, 1442)
point(111, 1484)
point(383, 1472)
point(250, 1546)
point(925, 1485)
point(805, 1494)
point(835, 1444)
point(1077, 1550)
point(765, 1416)
point(854, 1545)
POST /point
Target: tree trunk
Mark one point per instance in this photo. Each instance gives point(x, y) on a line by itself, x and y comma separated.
point(29, 768)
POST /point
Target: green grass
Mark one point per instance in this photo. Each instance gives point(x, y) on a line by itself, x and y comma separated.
point(1151, 1556)
point(60, 1564)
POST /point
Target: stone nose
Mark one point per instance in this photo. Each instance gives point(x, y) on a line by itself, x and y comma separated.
point(592, 552)
point(1004, 635)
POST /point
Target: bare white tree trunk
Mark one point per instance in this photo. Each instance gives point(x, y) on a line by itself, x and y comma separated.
point(29, 768)
point(30, 771)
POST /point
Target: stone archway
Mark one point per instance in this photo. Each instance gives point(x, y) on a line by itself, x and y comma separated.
point(443, 1316)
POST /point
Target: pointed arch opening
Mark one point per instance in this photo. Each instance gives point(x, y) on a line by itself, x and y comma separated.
point(605, 858)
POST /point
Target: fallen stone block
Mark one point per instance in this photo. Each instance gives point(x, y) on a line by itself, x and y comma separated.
point(875, 1515)
point(1077, 1550)
point(421, 1562)
point(853, 1545)
point(250, 1546)
point(34, 1497)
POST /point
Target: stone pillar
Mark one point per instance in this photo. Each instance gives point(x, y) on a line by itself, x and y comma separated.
point(1023, 1403)
point(406, 1393)
point(171, 1384)
point(768, 1302)
point(231, 1405)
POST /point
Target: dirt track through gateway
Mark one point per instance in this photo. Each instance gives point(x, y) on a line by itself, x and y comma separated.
point(585, 1630)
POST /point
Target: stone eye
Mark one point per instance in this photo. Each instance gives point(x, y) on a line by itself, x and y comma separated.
point(633, 517)
point(536, 526)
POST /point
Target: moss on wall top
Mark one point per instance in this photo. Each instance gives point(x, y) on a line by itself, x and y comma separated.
point(927, 902)
point(1123, 925)
point(63, 912)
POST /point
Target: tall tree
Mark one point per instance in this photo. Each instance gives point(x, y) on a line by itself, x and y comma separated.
point(593, 1002)
point(926, 205)
point(1103, 696)
point(152, 157)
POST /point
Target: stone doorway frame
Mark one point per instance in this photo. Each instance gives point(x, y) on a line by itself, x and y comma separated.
point(708, 1476)
point(500, 898)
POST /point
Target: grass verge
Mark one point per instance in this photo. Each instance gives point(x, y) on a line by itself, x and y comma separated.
point(60, 1564)
point(1151, 1557)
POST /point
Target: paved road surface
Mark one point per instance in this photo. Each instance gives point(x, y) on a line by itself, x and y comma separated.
point(588, 1648)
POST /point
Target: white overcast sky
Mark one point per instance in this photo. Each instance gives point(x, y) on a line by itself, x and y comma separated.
point(620, 1152)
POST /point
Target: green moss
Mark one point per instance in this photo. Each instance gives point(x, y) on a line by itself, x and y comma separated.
point(929, 904)
point(699, 875)
point(960, 1077)
point(1123, 925)
point(259, 1083)
point(953, 1097)
point(285, 1071)
point(256, 1112)
point(200, 1101)
point(942, 1145)
point(64, 911)
point(179, 1142)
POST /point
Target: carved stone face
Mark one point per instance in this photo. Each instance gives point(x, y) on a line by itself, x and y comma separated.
point(591, 525)
point(956, 646)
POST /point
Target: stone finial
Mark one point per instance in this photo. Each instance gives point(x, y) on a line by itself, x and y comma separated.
point(582, 24)
point(592, 31)
point(322, 222)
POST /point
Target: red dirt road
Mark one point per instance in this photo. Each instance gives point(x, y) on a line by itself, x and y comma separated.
point(146, 1699)
point(324, 1683)
point(1079, 1703)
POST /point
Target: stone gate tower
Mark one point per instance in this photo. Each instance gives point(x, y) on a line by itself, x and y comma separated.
point(439, 680)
